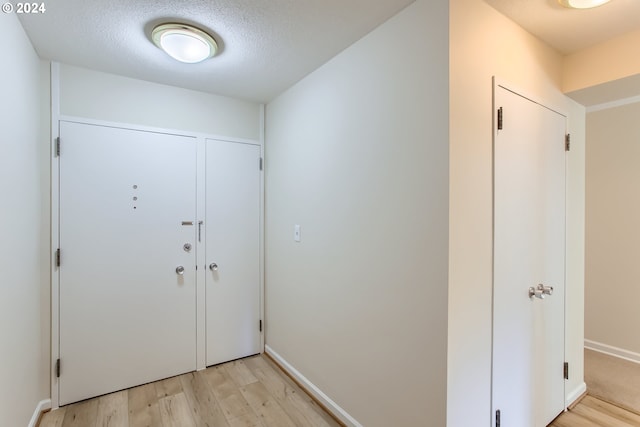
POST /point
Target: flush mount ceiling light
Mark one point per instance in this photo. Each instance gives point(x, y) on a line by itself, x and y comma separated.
point(582, 4)
point(184, 43)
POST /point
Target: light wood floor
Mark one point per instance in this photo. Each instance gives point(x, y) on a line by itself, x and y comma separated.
point(247, 392)
point(612, 379)
point(593, 412)
point(251, 392)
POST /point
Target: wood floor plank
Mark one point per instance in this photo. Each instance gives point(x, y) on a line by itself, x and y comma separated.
point(593, 412)
point(113, 410)
point(266, 406)
point(615, 411)
point(234, 406)
point(570, 419)
point(247, 416)
point(239, 372)
point(249, 420)
point(599, 417)
point(298, 405)
point(168, 387)
point(53, 418)
point(81, 414)
point(204, 406)
point(301, 393)
point(220, 382)
point(612, 379)
point(144, 410)
point(175, 411)
point(271, 379)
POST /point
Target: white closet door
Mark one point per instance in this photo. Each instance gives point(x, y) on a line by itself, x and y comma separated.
point(126, 316)
point(233, 247)
point(529, 251)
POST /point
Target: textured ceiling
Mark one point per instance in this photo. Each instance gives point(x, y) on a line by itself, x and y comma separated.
point(570, 30)
point(266, 45)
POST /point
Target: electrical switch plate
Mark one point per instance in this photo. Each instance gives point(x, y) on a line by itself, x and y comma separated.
point(296, 233)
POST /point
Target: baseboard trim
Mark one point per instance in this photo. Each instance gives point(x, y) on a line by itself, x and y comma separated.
point(331, 406)
point(43, 406)
point(574, 396)
point(612, 351)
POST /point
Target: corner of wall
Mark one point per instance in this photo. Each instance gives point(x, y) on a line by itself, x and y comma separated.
point(23, 307)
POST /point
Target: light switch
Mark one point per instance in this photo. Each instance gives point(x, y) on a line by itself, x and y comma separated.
point(296, 233)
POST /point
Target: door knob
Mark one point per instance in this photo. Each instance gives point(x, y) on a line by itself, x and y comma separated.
point(180, 270)
point(546, 290)
point(536, 293)
point(213, 266)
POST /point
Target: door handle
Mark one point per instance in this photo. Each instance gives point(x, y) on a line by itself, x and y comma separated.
point(536, 293)
point(546, 290)
point(540, 291)
point(180, 270)
point(213, 266)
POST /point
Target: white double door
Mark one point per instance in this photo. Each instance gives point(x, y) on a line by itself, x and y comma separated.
point(529, 260)
point(130, 243)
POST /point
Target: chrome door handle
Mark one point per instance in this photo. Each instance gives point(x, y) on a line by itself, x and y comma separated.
point(536, 293)
point(213, 266)
point(546, 290)
point(180, 270)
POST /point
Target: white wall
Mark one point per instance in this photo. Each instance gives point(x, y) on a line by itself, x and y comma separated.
point(357, 154)
point(607, 61)
point(101, 96)
point(612, 231)
point(484, 43)
point(24, 367)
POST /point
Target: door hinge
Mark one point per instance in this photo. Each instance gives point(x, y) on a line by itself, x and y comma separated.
point(498, 418)
point(58, 257)
point(566, 370)
point(500, 118)
point(58, 368)
point(567, 142)
point(261, 325)
point(261, 161)
point(58, 147)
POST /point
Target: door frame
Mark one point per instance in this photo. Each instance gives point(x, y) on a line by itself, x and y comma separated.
point(501, 83)
point(200, 137)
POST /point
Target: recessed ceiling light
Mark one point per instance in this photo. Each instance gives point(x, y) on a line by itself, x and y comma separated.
point(184, 43)
point(582, 4)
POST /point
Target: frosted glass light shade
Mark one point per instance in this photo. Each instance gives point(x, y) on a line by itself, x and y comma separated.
point(184, 43)
point(582, 4)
